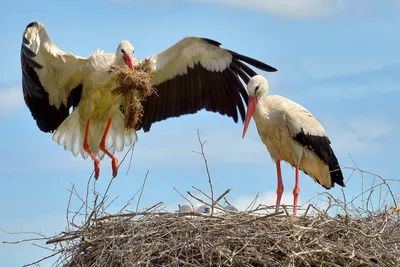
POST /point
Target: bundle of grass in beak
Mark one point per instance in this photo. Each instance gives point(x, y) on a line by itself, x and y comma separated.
point(133, 85)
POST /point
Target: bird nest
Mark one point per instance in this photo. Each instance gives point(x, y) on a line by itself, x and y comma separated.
point(134, 85)
point(341, 234)
point(233, 239)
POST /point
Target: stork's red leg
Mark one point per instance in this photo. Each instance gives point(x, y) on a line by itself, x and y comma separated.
point(86, 148)
point(296, 191)
point(279, 191)
point(103, 148)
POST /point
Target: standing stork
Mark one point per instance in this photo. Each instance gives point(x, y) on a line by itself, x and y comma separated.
point(191, 75)
point(292, 134)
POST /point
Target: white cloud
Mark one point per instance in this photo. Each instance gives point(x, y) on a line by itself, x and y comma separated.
point(358, 85)
point(290, 9)
point(11, 99)
point(297, 9)
point(267, 198)
point(293, 9)
point(356, 134)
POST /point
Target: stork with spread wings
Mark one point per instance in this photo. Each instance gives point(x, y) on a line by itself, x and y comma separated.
point(193, 74)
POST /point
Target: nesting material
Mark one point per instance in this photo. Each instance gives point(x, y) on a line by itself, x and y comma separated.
point(234, 239)
point(134, 86)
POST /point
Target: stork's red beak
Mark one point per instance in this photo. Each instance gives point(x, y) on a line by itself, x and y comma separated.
point(251, 107)
point(129, 61)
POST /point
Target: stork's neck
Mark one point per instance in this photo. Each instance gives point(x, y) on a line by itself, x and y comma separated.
point(118, 60)
point(263, 109)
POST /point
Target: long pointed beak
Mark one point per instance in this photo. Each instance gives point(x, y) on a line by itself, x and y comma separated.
point(251, 107)
point(129, 61)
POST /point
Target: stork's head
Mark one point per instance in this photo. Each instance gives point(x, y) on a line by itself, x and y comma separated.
point(257, 87)
point(124, 53)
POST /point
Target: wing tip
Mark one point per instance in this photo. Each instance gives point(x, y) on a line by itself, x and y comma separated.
point(271, 69)
point(336, 174)
point(211, 41)
point(33, 24)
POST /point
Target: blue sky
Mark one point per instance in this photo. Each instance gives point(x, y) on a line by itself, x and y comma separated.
point(338, 59)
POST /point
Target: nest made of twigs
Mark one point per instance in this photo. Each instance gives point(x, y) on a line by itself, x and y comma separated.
point(134, 85)
point(234, 239)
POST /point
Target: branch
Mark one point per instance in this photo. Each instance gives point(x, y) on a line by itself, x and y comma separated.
point(207, 169)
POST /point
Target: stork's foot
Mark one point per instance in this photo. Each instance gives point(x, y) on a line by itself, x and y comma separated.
point(96, 168)
point(277, 209)
point(114, 166)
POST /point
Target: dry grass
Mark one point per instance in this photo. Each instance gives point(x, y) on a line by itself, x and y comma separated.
point(134, 86)
point(236, 239)
point(341, 234)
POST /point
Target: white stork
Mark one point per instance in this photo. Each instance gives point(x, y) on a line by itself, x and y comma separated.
point(292, 134)
point(193, 74)
point(231, 208)
point(184, 208)
point(202, 208)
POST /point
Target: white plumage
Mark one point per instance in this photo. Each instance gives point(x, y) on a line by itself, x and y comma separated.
point(202, 208)
point(193, 74)
point(58, 73)
point(185, 208)
point(292, 134)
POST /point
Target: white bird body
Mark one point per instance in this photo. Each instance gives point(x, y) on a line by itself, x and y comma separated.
point(98, 104)
point(96, 125)
point(202, 208)
point(185, 208)
point(292, 134)
point(191, 75)
point(278, 120)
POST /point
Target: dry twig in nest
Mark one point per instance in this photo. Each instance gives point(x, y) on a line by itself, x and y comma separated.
point(134, 86)
point(240, 239)
point(352, 237)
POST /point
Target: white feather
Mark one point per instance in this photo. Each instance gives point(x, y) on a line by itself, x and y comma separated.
point(71, 133)
point(202, 208)
point(185, 208)
point(189, 51)
point(61, 71)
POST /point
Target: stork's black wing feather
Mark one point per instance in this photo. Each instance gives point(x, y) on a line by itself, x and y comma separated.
point(321, 145)
point(221, 92)
point(47, 117)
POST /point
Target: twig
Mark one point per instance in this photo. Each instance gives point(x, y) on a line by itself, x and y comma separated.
point(69, 205)
point(42, 259)
point(63, 238)
point(141, 192)
point(185, 198)
point(207, 169)
point(23, 240)
point(223, 195)
point(213, 203)
point(130, 161)
point(252, 203)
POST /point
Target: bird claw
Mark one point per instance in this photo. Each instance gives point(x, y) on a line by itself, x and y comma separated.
point(96, 169)
point(114, 166)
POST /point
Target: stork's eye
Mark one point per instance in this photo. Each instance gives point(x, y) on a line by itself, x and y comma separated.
point(122, 51)
point(257, 87)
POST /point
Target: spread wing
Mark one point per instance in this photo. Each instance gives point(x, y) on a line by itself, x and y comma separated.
point(195, 74)
point(51, 78)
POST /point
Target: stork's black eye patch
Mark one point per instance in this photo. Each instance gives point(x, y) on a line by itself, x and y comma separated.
point(257, 87)
point(122, 51)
